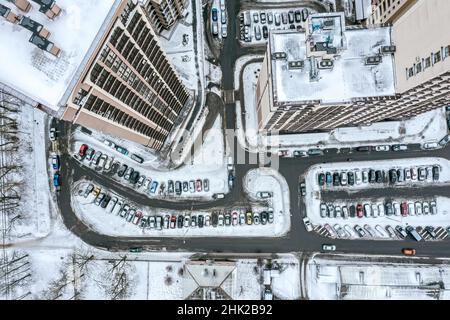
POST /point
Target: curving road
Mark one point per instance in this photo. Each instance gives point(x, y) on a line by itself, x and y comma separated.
point(296, 240)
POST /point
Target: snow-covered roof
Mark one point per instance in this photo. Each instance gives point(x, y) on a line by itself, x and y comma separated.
point(350, 78)
point(41, 76)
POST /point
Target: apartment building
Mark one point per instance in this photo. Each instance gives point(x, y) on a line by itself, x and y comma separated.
point(164, 13)
point(388, 11)
point(357, 76)
point(129, 88)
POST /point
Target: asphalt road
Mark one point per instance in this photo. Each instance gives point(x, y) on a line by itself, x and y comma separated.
point(295, 241)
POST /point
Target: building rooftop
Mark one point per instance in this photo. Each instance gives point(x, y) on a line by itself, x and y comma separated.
point(48, 77)
point(327, 63)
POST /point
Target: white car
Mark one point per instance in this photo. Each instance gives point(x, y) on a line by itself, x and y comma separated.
point(365, 176)
point(375, 210)
point(381, 232)
point(430, 145)
point(323, 210)
point(330, 230)
point(419, 210)
point(426, 208)
point(264, 194)
point(382, 148)
point(381, 210)
point(224, 31)
point(358, 177)
point(328, 247)
point(341, 233)
point(350, 231)
point(53, 134)
point(345, 212)
point(308, 224)
point(396, 206)
point(109, 143)
point(222, 5)
point(344, 178)
point(433, 207)
point(411, 209)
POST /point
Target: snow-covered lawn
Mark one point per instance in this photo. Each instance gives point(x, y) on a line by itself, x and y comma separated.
point(269, 180)
point(356, 279)
point(427, 127)
point(313, 197)
point(208, 162)
point(247, 275)
point(25, 172)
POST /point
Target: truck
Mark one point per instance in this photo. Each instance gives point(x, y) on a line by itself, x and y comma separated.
point(247, 18)
point(413, 233)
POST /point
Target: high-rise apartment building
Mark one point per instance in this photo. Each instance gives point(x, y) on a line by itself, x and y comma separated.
point(129, 88)
point(334, 76)
point(387, 11)
point(164, 13)
point(97, 64)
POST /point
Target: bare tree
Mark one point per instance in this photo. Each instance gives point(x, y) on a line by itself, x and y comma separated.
point(117, 280)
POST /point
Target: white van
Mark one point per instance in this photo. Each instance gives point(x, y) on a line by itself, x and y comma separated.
point(230, 165)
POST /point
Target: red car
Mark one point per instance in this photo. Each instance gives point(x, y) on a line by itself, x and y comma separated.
point(283, 153)
point(137, 217)
point(173, 222)
point(198, 185)
point(83, 150)
point(404, 209)
point(359, 211)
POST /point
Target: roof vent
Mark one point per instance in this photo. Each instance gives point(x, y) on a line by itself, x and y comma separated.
point(388, 49)
point(375, 60)
point(279, 55)
point(326, 64)
point(300, 64)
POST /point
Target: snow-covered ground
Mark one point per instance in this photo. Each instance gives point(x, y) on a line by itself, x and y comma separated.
point(32, 219)
point(286, 284)
point(247, 274)
point(313, 197)
point(38, 74)
point(208, 162)
point(108, 223)
point(269, 180)
point(356, 279)
point(427, 127)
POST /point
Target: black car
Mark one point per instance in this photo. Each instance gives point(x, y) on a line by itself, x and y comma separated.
point(393, 176)
point(372, 176)
point(352, 210)
point(214, 219)
point(265, 32)
point(435, 173)
point(180, 221)
point(336, 179)
point(305, 14)
point(201, 219)
point(292, 27)
point(291, 16)
point(170, 186)
point(378, 176)
point(389, 209)
point(134, 177)
point(105, 201)
point(300, 154)
point(122, 170)
point(321, 179)
point(363, 149)
point(114, 168)
point(264, 217)
point(185, 186)
point(178, 188)
point(298, 16)
point(351, 178)
point(430, 231)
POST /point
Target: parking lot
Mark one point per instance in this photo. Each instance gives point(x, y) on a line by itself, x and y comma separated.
point(339, 202)
point(254, 25)
point(110, 213)
point(111, 162)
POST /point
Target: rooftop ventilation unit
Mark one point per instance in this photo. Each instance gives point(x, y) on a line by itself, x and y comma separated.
point(314, 72)
point(296, 64)
point(375, 60)
point(326, 64)
point(388, 49)
point(328, 24)
point(279, 55)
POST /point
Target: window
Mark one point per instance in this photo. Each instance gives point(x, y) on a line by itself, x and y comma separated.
point(446, 52)
point(410, 72)
point(437, 57)
point(427, 62)
point(419, 67)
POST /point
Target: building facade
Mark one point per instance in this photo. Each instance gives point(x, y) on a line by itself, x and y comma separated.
point(129, 88)
point(420, 69)
point(164, 13)
point(387, 11)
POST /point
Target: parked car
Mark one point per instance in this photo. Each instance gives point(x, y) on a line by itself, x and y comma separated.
point(430, 231)
point(137, 217)
point(96, 158)
point(55, 162)
point(53, 134)
point(224, 31)
point(128, 173)
point(99, 198)
point(264, 217)
point(329, 179)
point(359, 211)
point(330, 230)
point(401, 231)
point(323, 210)
point(173, 221)
point(270, 215)
point(122, 170)
point(249, 218)
point(122, 150)
point(426, 208)
point(255, 17)
point(382, 148)
point(198, 185)
point(433, 207)
point(205, 185)
point(257, 33)
point(321, 179)
point(207, 220)
point(302, 188)
point(367, 210)
point(178, 188)
point(370, 230)
point(200, 221)
point(234, 218)
point(422, 174)
point(391, 232)
point(144, 222)
point(399, 147)
point(263, 194)
point(152, 222)
point(214, 14)
point(134, 177)
point(404, 209)
point(336, 179)
point(351, 178)
point(82, 150)
point(220, 220)
point(90, 154)
point(363, 149)
point(191, 186)
point(57, 181)
point(418, 206)
point(435, 173)
point(430, 145)
point(389, 209)
point(185, 186)
point(265, 32)
point(360, 231)
point(180, 220)
point(241, 218)
point(300, 154)
point(187, 221)
point(256, 218)
point(167, 221)
point(153, 187)
point(307, 224)
point(105, 201)
point(159, 223)
point(340, 231)
point(343, 178)
point(413, 233)
point(88, 190)
point(397, 209)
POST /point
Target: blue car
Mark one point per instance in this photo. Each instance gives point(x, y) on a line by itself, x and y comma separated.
point(56, 181)
point(214, 14)
point(55, 162)
point(122, 150)
point(153, 187)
